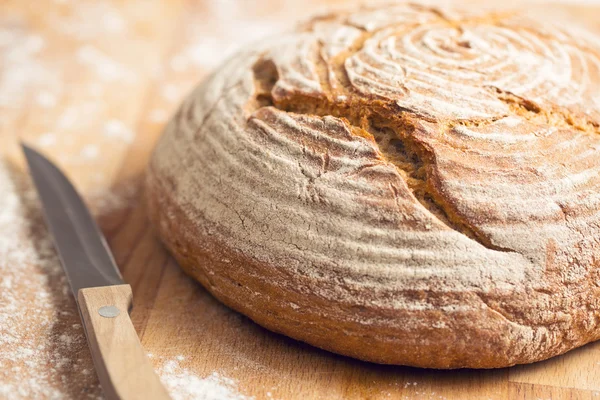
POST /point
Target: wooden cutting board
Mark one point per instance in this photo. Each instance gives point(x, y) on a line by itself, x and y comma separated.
point(95, 95)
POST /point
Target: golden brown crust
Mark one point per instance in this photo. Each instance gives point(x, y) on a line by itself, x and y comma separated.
point(402, 185)
point(234, 283)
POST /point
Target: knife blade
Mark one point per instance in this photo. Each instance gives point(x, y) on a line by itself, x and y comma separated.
point(81, 246)
point(103, 298)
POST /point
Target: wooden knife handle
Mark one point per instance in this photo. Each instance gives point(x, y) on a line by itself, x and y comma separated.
point(123, 369)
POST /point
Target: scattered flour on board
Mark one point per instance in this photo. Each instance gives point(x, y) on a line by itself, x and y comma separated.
point(116, 129)
point(43, 351)
point(46, 139)
point(89, 151)
point(36, 69)
point(232, 25)
point(105, 68)
point(108, 20)
point(42, 345)
point(21, 67)
point(182, 384)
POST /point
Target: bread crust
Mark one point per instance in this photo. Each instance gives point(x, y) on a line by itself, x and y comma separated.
point(369, 220)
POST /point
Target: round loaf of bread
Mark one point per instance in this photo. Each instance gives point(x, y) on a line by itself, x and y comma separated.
point(405, 185)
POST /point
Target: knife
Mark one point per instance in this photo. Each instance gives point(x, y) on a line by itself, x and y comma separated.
point(103, 298)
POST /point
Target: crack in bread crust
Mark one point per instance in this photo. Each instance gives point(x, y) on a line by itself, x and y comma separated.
point(391, 129)
point(391, 125)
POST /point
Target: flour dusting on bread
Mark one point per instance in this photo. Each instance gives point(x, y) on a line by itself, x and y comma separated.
point(421, 184)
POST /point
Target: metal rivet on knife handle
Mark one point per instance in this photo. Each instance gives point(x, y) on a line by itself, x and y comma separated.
point(109, 311)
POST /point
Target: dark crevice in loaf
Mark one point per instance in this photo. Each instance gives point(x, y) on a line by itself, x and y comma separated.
point(517, 103)
point(555, 116)
point(388, 126)
point(265, 77)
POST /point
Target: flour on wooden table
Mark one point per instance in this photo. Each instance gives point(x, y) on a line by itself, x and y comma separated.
point(35, 74)
point(21, 67)
point(232, 25)
point(108, 20)
point(116, 129)
point(43, 350)
point(183, 384)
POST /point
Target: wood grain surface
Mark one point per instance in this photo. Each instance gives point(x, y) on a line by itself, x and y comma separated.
point(95, 100)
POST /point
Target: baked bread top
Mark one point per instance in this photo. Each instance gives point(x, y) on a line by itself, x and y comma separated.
point(403, 184)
